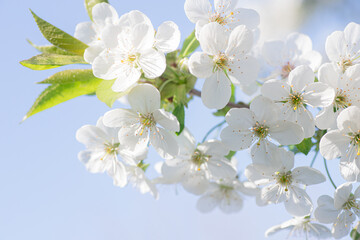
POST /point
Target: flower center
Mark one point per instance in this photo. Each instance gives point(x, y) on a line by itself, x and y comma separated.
point(355, 140)
point(221, 62)
point(199, 158)
point(217, 17)
point(286, 69)
point(284, 179)
point(147, 122)
point(296, 100)
point(130, 60)
point(341, 101)
point(260, 131)
point(345, 63)
point(351, 203)
point(110, 149)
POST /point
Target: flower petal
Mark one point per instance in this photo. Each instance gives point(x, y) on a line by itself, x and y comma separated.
point(102, 13)
point(213, 38)
point(349, 119)
point(207, 203)
point(144, 98)
point(299, 202)
point(214, 148)
point(91, 136)
point(120, 118)
point(286, 132)
point(118, 174)
point(153, 63)
point(92, 52)
point(333, 144)
point(307, 176)
point(166, 120)
point(240, 41)
point(201, 65)
point(236, 139)
point(164, 143)
point(326, 212)
point(241, 118)
point(221, 168)
point(319, 95)
point(300, 77)
point(167, 37)
point(342, 194)
point(197, 10)
point(265, 110)
point(216, 91)
point(85, 32)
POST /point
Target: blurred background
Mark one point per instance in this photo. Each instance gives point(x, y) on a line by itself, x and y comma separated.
point(46, 193)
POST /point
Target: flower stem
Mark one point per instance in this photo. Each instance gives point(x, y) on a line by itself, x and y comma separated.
point(327, 172)
point(313, 161)
point(212, 129)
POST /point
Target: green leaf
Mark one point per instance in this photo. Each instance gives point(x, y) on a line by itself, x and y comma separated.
point(71, 76)
point(189, 46)
point(89, 4)
point(179, 113)
point(47, 61)
point(303, 147)
point(230, 155)
point(58, 93)
point(105, 94)
point(60, 38)
point(49, 49)
point(354, 234)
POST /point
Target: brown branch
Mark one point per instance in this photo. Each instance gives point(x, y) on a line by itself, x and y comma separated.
point(195, 92)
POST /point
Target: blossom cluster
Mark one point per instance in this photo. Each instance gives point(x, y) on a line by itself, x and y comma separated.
point(300, 100)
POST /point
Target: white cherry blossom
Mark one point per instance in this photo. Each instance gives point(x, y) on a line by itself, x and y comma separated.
point(343, 47)
point(303, 227)
point(296, 94)
point(344, 142)
point(294, 51)
point(138, 125)
point(103, 15)
point(225, 13)
point(197, 164)
point(227, 195)
point(258, 125)
point(346, 86)
point(225, 60)
point(340, 210)
point(102, 151)
point(283, 183)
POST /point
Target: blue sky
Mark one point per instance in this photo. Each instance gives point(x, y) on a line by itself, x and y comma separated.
point(46, 193)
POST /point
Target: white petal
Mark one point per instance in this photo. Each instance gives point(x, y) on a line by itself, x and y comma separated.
point(133, 18)
point(298, 41)
point(299, 203)
point(335, 46)
point(241, 118)
point(102, 13)
point(91, 136)
point(106, 67)
point(164, 143)
point(236, 139)
point(286, 133)
point(259, 174)
point(187, 142)
point(275, 90)
point(326, 118)
point(92, 160)
point(144, 98)
point(225, 6)
point(92, 52)
point(118, 173)
point(109, 35)
point(166, 120)
point(195, 183)
point(216, 91)
point(342, 194)
point(133, 137)
point(313, 59)
point(153, 63)
point(342, 226)
point(85, 32)
point(265, 110)
point(214, 148)
point(260, 152)
point(300, 77)
point(243, 69)
point(248, 17)
point(213, 38)
point(349, 171)
point(126, 80)
point(319, 95)
point(326, 212)
point(231, 203)
point(329, 75)
point(273, 193)
point(201, 65)
point(207, 203)
point(221, 168)
point(120, 118)
point(348, 119)
point(142, 37)
point(307, 176)
point(197, 10)
point(240, 41)
point(333, 144)
point(270, 52)
point(167, 38)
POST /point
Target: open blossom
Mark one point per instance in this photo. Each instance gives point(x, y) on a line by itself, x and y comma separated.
point(296, 94)
point(197, 164)
point(346, 86)
point(224, 61)
point(343, 47)
point(257, 125)
point(340, 210)
point(102, 150)
point(344, 142)
point(227, 194)
point(225, 13)
point(303, 227)
point(138, 125)
point(286, 55)
point(134, 48)
point(103, 15)
point(283, 183)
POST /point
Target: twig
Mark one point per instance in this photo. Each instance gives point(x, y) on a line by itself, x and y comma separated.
point(212, 129)
point(327, 172)
point(197, 93)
